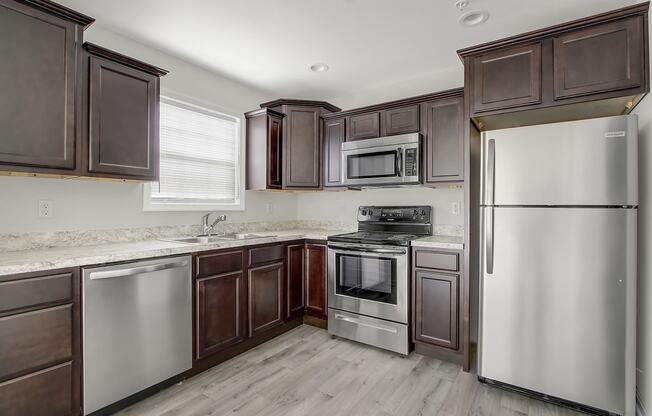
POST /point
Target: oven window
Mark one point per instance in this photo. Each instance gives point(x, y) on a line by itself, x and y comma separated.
point(372, 165)
point(366, 277)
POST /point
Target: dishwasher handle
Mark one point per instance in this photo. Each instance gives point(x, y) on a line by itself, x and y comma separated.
point(130, 271)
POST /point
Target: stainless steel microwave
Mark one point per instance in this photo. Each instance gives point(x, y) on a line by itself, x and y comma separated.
point(392, 160)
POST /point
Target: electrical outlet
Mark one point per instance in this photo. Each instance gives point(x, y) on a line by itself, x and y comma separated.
point(455, 208)
point(45, 209)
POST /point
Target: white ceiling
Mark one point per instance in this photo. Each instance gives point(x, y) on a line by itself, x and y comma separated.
point(368, 44)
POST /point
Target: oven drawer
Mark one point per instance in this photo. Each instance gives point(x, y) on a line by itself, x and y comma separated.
point(377, 332)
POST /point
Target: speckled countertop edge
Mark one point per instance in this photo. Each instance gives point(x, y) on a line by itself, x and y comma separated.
point(14, 262)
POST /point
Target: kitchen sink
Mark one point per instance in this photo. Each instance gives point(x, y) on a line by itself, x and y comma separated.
point(216, 238)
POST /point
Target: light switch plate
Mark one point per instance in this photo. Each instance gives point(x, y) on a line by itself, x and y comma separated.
point(455, 208)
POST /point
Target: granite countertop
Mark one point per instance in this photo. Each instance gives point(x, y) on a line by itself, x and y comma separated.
point(440, 241)
point(13, 262)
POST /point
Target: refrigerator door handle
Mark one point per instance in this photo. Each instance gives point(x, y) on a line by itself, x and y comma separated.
point(489, 239)
point(491, 171)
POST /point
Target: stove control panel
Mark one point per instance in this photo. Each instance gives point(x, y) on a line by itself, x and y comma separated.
point(416, 214)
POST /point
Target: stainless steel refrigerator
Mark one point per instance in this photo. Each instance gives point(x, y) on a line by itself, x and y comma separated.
point(558, 261)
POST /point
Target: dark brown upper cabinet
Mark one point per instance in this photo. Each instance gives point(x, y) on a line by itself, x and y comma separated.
point(604, 58)
point(300, 155)
point(264, 149)
point(121, 123)
point(507, 78)
point(401, 120)
point(591, 67)
point(444, 141)
point(334, 135)
point(363, 126)
point(38, 80)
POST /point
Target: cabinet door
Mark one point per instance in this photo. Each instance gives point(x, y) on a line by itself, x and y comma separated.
point(436, 308)
point(364, 126)
point(123, 125)
point(507, 78)
point(401, 120)
point(302, 148)
point(333, 138)
point(444, 144)
point(274, 152)
point(294, 285)
point(265, 287)
point(37, 80)
point(599, 59)
point(220, 314)
point(316, 280)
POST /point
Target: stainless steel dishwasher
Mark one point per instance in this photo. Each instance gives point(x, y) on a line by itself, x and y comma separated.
point(137, 327)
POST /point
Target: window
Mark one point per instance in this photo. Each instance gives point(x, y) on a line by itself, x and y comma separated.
point(200, 161)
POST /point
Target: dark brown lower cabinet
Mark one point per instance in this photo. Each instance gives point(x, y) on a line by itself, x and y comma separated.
point(316, 280)
point(295, 260)
point(438, 293)
point(265, 297)
point(221, 311)
point(40, 357)
point(436, 307)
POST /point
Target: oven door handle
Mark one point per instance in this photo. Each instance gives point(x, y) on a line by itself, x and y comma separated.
point(367, 250)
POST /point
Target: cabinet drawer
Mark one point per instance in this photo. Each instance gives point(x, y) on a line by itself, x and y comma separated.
point(218, 263)
point(35, 291)
point(35, 339)
point(441, 260)
point(44, 393)
point(266, 254)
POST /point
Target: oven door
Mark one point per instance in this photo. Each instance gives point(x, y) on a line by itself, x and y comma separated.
point(369, 279)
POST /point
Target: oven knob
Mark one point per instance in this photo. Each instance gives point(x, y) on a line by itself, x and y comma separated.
point(364, 212)
point(423, 212)
point(416, 212)
point(371, 213)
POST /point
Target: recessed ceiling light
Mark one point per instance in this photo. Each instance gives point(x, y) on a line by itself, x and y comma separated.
point(319, 67)
point(474, 18)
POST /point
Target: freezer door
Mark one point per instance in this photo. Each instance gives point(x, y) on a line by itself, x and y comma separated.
point(557, 311)
point(587, 162)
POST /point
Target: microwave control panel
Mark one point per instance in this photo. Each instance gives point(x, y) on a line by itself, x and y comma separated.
point(411, 160)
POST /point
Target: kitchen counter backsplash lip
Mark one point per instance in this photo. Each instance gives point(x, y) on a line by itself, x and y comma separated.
point(60, 239)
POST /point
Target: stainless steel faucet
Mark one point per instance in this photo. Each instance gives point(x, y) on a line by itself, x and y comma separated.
point(208, 228)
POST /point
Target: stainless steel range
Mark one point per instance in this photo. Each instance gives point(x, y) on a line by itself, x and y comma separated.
point(369, 279)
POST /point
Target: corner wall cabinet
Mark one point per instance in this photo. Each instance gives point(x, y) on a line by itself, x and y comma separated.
point(298, 164)
point(68, 110)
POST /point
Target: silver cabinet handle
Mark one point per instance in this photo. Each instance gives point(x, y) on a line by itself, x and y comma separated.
point(491, 172)
point(489, 238)
point(108, 274)
point(355, 321)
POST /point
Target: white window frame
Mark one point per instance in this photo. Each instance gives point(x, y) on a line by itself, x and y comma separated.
point(152, 205)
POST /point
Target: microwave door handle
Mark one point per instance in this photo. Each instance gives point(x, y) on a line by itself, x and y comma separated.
point(399, 162)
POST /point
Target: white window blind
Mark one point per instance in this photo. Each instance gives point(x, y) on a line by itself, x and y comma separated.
point(199, 157)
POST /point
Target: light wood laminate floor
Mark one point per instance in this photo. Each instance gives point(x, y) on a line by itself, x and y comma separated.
point(306, 372)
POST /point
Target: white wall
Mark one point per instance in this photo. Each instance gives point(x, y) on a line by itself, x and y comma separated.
point(84, 205)
point(341, 206)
